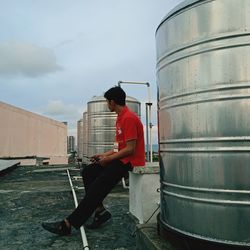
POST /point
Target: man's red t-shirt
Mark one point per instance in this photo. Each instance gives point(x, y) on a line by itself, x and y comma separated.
point(129, 127)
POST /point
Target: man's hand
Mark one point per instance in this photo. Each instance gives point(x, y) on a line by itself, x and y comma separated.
point(105, 158)
point(104, 161)
point(96, 158)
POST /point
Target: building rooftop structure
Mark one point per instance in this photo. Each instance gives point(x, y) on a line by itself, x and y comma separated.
point(30, 195)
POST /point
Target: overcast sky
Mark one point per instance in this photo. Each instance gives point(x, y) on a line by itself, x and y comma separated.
point(55, 55)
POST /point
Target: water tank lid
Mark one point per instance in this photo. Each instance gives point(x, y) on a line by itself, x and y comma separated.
point(102, 99)
point(131, 99)
point(97, 99)
point(180, 7)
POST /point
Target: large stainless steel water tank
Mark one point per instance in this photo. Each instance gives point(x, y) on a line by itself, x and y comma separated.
point(203, 74)
point(85, 137)
point(101, 124)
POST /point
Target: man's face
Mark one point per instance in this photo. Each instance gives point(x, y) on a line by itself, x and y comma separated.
point(111, 105)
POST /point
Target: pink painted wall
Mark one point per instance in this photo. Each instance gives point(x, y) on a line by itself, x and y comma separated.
point(23, 133)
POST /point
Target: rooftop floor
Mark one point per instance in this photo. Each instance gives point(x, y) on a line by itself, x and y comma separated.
point(30, 195)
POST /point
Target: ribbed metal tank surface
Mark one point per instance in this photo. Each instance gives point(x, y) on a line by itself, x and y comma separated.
point(203, 75)
point(101, 124)
point(80, 138)
point(85, 137)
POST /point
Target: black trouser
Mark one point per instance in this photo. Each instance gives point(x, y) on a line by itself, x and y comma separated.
point(98, 182)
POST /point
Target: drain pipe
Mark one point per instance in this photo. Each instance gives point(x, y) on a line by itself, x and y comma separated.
point(83, 234)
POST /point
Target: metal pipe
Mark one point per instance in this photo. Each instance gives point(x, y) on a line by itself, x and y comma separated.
point(128, 82)
point(150, 134)
point(124, 184)
point(148, 114)
point(147, 144)
point(83, 234)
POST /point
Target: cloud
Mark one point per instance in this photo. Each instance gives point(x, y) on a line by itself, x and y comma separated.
point(58, 108)
point(26, 59)
point(63, 43)
point(60, 111)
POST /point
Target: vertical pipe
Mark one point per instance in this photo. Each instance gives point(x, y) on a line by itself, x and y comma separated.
point(150, 134)
point(147, 144)
point(150, 123)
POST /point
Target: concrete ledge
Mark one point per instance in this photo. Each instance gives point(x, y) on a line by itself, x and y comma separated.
point(150, 168)
point(147, 238)
point(7, 166)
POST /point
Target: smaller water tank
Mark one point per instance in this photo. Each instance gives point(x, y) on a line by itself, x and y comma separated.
point(101, 124)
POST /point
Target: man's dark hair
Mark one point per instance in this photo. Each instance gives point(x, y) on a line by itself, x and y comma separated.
point(116, 94)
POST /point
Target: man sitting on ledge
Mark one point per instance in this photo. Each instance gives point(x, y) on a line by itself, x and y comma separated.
point(107, 169)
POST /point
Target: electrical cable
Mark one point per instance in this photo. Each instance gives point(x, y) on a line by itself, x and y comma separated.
point(152, 214)
point(138, 229)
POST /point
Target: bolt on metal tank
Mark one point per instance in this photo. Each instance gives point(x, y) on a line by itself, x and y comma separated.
point(203, 62)
point(101, 124)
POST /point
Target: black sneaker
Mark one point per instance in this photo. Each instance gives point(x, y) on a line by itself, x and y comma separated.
point(99, 219)
point(58, 227)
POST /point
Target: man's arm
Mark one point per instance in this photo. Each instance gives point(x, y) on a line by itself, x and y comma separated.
point(128, 150)
point(110, 152)
point(97, 157)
